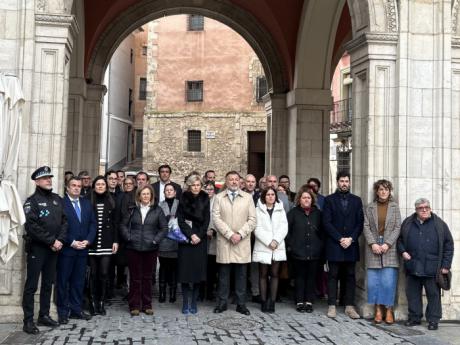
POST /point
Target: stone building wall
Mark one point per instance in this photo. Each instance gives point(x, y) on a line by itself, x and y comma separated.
point(229, 69)
point(165, 141)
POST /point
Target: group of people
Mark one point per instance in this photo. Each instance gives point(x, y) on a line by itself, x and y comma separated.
point(264, 227)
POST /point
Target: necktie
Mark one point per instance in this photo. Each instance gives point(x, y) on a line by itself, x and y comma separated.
point(77, 209)
point(233, 196)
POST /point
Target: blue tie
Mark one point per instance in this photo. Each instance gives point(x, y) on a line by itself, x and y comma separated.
point(77, 209)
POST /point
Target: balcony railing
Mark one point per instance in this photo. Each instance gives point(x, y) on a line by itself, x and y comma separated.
point(341, 116)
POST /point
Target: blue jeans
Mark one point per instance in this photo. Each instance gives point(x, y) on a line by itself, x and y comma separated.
point(381, 285)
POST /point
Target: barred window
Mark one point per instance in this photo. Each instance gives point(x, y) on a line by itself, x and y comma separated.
point(143, 89)
point(262, 88)
point(194, 141)
point(194, 91)
point(195, 22)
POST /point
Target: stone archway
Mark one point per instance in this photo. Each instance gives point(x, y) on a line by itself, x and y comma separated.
point(225, 12)
point(135, 16)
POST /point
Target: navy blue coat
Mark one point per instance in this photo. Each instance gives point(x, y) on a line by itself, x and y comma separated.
point(78, 231)
point(338, 223)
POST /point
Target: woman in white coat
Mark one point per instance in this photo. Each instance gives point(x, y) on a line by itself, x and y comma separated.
point(269, 248)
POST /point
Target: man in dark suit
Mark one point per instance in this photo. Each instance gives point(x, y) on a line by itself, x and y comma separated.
point(343, 220)
point(164, 171)
point(72, 259)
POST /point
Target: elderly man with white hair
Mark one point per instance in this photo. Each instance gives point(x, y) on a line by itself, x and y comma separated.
point(427, 248)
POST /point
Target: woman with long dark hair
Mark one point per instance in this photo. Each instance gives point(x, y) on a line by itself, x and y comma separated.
point(106, 244)
point(269, 249)
point(193, 217)
point(167, 253)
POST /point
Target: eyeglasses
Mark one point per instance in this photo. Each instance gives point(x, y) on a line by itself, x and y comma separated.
point(209, 190)
point(423, 208)
point(128, 183)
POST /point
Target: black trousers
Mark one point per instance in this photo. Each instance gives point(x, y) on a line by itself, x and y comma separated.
point(348, 269)
point(305, 280)
point(240, 283)
point(414, 284)
point(212, 274)
point(40, 260)
point(168, 271)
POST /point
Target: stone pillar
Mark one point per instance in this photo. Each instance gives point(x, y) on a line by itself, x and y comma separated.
point(277, 135)
point(90, 143)
point(402, 123)
point(77, 98)
point(308, 134)
point(45, 76)
point(45, 136)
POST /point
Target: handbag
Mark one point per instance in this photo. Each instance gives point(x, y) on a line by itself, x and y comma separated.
point(174, 232)
point(443, 280)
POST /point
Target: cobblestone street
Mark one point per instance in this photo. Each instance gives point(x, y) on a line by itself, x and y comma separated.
point(169, 327)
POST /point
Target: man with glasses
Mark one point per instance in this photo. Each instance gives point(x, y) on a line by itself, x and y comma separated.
point(284, 181)
point(159, 187)
point(85, 183)
point(427, 247)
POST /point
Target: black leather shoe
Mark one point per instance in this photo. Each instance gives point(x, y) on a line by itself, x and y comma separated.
point(242, 310)
point(308, 307)
point(220, 309)
point(81, 316)
point(300, 307)
point(257, 299)
point(411, 323)
point(30, 328)
point(47, 321)
point(63, 320)
point(433, 326)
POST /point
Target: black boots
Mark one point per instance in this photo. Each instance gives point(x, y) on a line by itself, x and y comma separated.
point(162, 296)
point(172, 293)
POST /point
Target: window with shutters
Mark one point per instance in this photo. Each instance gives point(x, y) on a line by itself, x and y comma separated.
point(262, 88)
point(142, 89)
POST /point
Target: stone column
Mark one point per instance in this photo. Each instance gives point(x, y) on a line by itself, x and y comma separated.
point(90, 142)
point(308, 134)
point(77, 98)
point(276, 135)
point(45, 134)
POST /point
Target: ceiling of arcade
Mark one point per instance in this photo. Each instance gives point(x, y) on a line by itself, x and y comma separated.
point(276, 22)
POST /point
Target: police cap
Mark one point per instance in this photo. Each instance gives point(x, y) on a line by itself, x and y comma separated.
point(43, 171)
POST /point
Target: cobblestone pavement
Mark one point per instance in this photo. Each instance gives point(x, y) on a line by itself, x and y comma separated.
point(169, 327)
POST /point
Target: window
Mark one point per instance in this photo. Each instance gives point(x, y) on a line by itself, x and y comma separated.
point(131, 56)
point(194, 141)
point(143, 89)
point(194, 91)
point(144, 50)
point(195, 22)
point(261, 88)
point(130, 104)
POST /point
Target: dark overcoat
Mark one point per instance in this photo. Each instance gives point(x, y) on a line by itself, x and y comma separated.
point(193, 217)
point(339, 223)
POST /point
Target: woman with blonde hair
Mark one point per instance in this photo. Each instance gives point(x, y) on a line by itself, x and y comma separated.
point(142, 229)
point(382, 225)
point(193, 216)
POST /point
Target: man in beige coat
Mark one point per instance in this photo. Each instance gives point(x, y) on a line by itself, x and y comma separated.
point(234, 217)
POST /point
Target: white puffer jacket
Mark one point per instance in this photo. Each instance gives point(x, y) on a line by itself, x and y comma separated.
point(267, 230)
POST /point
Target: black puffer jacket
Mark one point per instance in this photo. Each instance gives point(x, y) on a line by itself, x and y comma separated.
point(144, 237)
point(305, 239)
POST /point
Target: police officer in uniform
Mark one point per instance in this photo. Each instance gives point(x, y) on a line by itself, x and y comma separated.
point(46, 228)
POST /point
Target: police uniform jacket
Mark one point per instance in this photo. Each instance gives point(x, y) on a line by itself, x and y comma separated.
point(45, 218)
